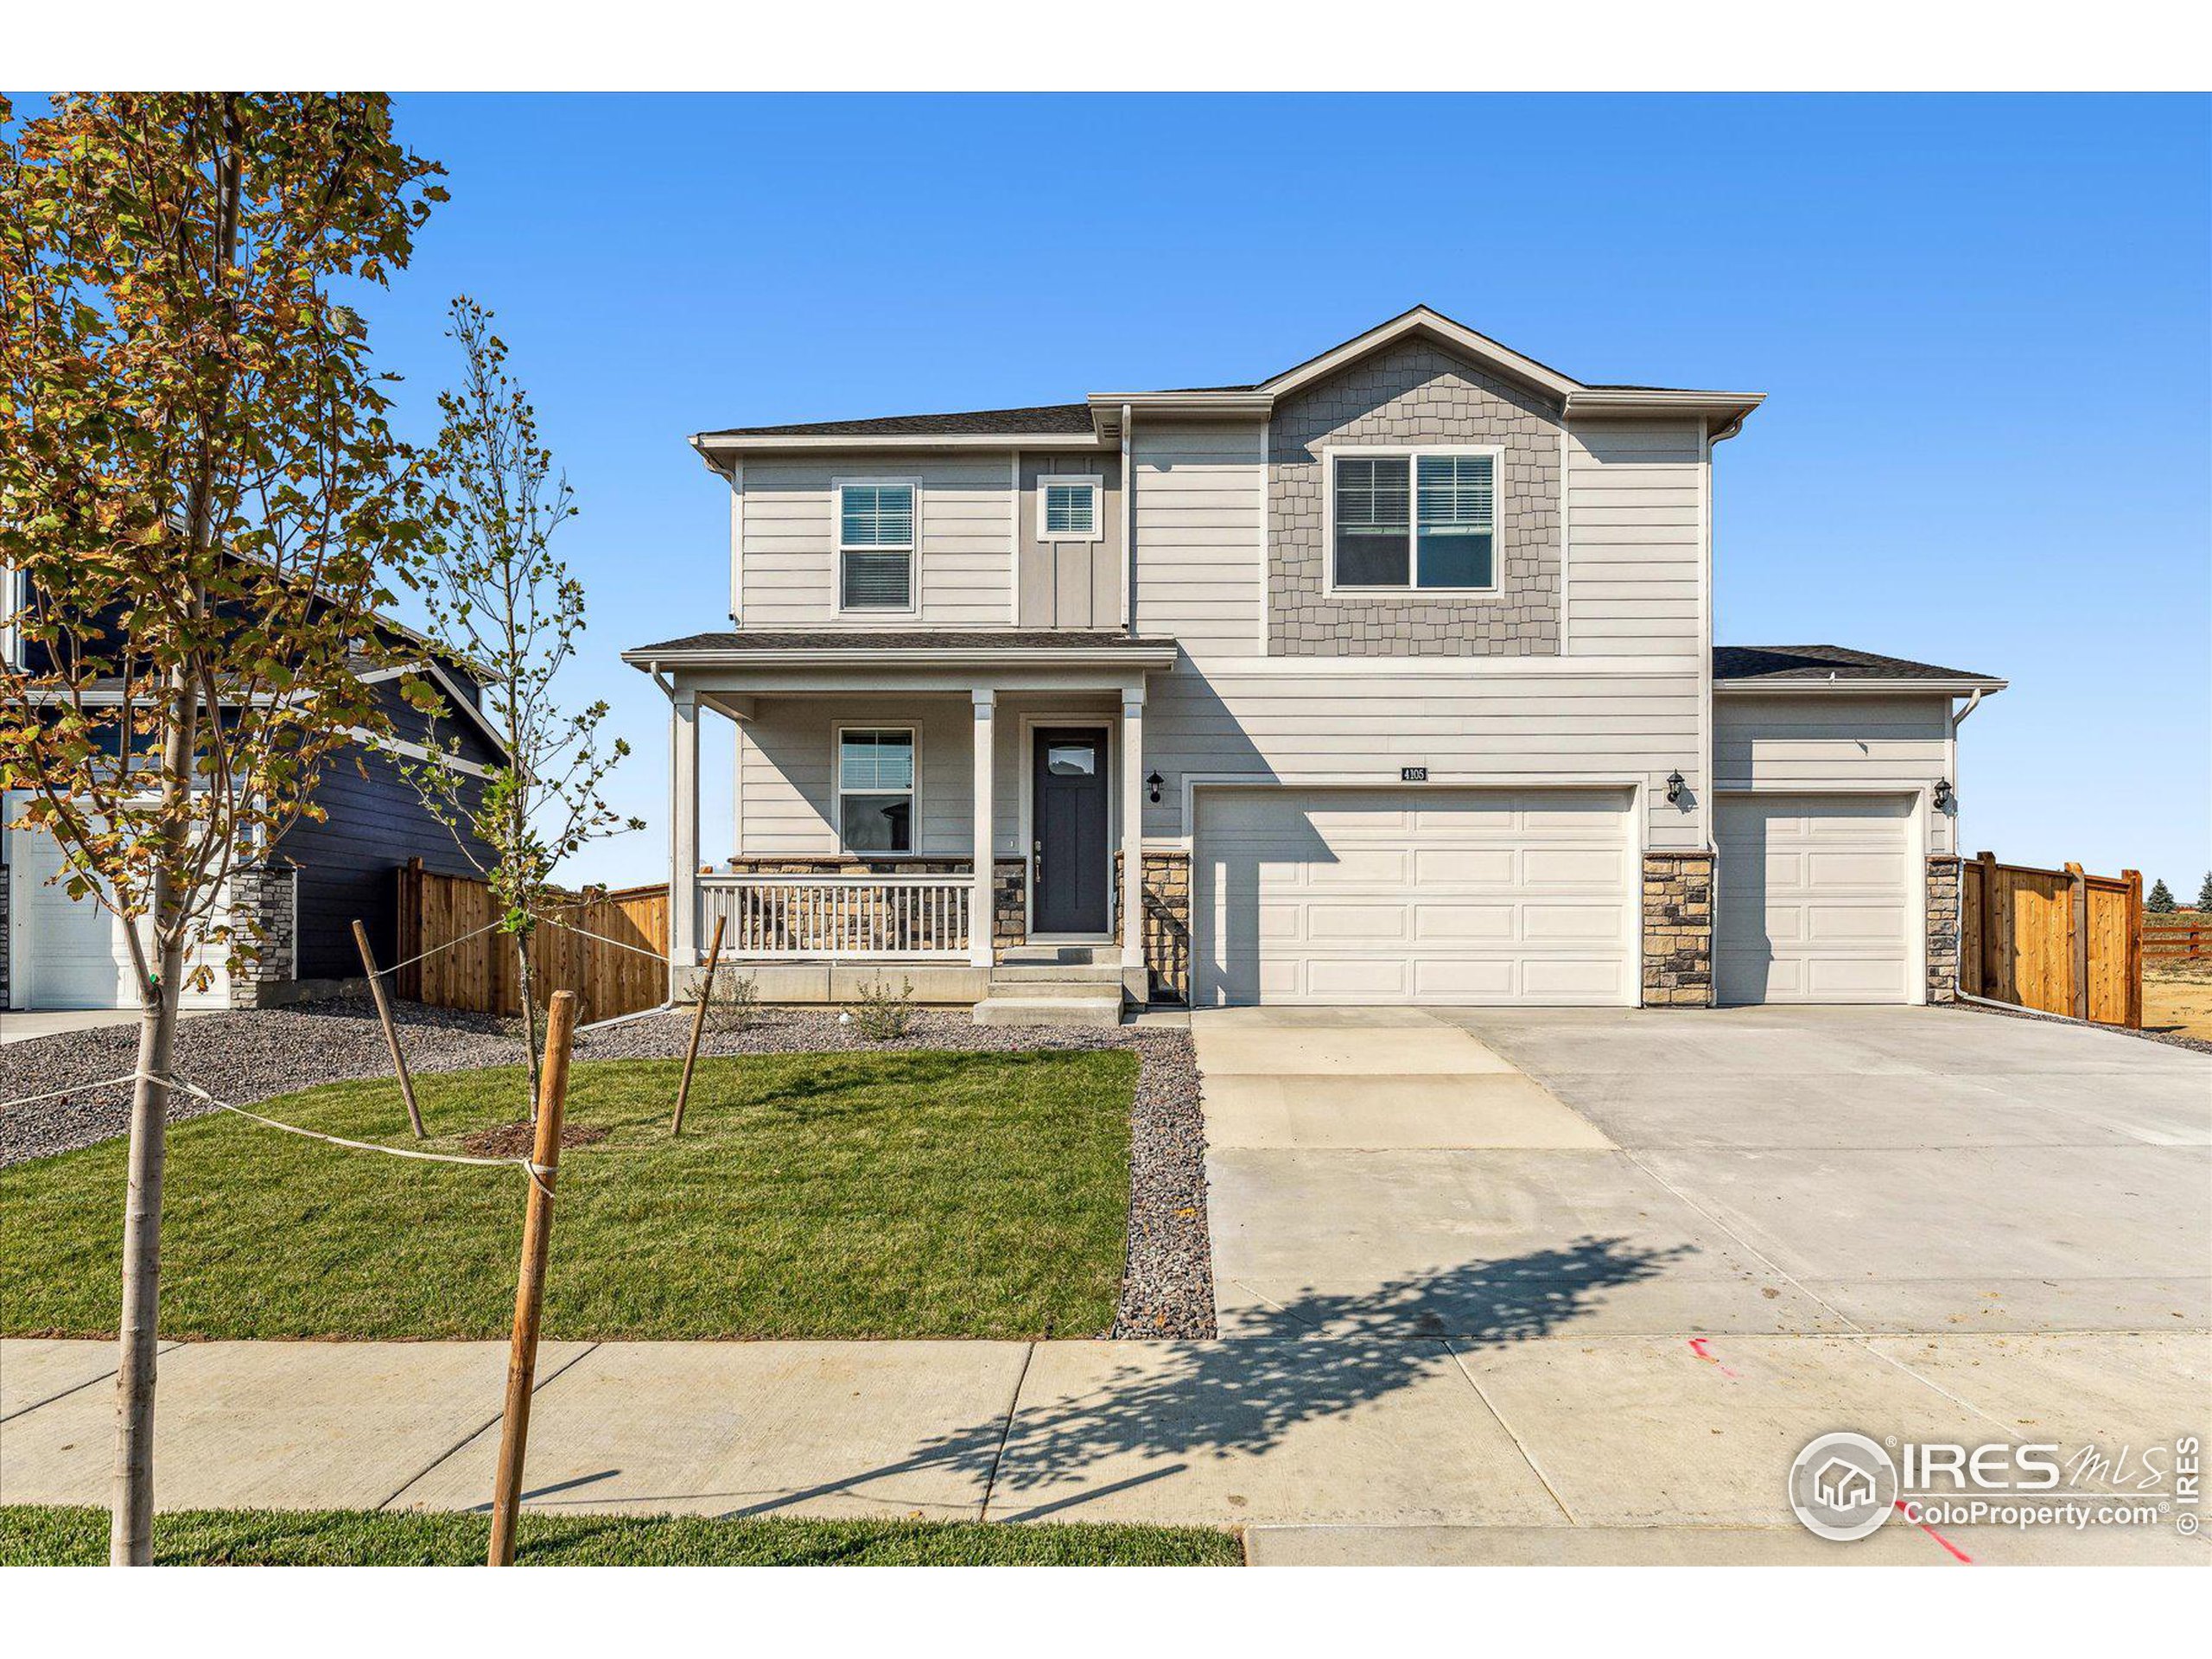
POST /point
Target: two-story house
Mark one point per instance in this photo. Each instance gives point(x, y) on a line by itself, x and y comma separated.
point(1388, 679)
point(303, 893)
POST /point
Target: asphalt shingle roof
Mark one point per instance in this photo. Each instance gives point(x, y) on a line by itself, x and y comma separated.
point(1786, 663)
point(905, 640)
point(1056, 419)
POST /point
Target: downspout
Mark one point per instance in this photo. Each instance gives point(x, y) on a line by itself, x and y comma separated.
point(1958, 965)
point(1129, 530)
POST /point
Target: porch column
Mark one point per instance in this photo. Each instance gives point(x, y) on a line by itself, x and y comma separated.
point(1133, 827)
point(683, 831)
point(980, 919)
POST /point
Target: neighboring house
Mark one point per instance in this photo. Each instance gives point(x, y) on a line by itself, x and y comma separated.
point(305, 891)
point(1389, 679)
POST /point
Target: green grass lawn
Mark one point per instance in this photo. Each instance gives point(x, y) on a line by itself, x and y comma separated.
point(925, 1194)
point(36, 1536)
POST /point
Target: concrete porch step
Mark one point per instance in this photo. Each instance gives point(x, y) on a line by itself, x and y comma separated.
point(1008, 974)
point(1072, 990)
point(1064, 956)
point(1090, 1009)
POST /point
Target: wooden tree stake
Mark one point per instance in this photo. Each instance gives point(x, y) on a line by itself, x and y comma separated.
point(698, 1026)
point(530, 1286)
point(391, 1031)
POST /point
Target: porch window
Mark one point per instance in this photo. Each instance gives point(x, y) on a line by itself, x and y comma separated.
point(875, 547)
point(1415, 520)
point(876, 790)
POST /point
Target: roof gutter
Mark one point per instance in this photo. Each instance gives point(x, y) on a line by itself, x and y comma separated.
point(1837, 687)
point(950, 656)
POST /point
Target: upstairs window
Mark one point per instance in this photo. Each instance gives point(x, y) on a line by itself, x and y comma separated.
point(1415, 520)
point(875, 547)
point(1067, 509)
point(876, 790)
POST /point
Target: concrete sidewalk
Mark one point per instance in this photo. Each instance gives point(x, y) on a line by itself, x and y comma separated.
point(1622, 1448)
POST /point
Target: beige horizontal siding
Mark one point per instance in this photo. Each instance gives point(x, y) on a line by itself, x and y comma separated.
point(787, 559)
point(1200, 565)
point(1636, 556)
point(1508, 725)
point(1828, 740)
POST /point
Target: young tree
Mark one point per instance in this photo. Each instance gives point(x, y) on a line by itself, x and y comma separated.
point(2204, 893)
point(2161, 899)
point(497, 594)
point(197, 484)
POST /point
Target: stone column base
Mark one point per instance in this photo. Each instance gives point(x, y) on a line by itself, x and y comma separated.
point(1167, 924)
point(262, 907)
point(1942, 929)
point(1678, 930)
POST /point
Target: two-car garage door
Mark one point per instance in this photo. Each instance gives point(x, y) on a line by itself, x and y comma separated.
point(1423, 895)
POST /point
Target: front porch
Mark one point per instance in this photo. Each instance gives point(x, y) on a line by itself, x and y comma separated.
point(962, 818)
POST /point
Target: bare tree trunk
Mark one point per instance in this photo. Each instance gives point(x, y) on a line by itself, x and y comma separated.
point(529, 1017)
point(130, 1532)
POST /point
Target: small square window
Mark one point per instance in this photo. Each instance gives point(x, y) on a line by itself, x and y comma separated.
point(1067, 509)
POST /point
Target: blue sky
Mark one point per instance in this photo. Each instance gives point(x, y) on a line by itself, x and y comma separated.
point(1984, 324)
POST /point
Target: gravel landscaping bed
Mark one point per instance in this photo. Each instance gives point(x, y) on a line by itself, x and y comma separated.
point(1167, 1286)
point(2172, 1038)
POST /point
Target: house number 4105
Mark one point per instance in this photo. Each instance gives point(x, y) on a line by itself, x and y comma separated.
point(1412, 774)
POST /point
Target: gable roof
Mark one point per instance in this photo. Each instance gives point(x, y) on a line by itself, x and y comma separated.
point(1808, 668)
point(1096, 423)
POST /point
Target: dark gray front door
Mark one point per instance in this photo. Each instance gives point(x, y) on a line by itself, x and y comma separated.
point(1072, 872)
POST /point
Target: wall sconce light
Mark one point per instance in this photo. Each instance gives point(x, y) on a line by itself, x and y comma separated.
point(1673, 788)
point(1152, 784)
point(1944, 798)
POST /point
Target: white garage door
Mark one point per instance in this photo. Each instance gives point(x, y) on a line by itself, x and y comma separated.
point(1817, 898)
point(1423, 895)
point(70, 953)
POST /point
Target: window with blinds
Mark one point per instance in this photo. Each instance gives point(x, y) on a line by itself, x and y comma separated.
point(1413, 520)
point(875, 547)
point(1069, 508)
point(1456, 510)
point(876, 790)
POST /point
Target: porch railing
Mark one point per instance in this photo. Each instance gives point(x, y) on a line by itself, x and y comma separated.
point(816, 918)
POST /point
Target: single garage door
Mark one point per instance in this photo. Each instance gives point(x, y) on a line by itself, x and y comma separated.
point(1423, 895)
point(70, 953)
point(1817, 898)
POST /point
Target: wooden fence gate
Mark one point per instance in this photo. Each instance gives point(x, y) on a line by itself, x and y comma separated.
point(2057, 941)
point(610, 974)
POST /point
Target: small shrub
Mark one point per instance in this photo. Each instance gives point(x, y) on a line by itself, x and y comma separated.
point(883, 1015)
point(735, 1003)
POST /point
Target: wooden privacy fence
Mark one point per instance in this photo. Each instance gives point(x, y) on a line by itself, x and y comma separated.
point(458, 966)
point(2057, 941)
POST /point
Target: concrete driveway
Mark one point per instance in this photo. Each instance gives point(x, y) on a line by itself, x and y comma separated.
point(1666, 1249)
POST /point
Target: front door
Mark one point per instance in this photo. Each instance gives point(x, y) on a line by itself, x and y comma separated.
point(1071, 869)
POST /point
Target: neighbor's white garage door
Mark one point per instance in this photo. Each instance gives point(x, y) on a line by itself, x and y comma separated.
point(1422, 895)
point(1817, 898)
point(70, 953)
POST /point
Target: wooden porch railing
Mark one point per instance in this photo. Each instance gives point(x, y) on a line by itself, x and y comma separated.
point(816, 918)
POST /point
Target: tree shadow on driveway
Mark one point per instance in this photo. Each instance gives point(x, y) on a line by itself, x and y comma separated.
point(1085, 1414)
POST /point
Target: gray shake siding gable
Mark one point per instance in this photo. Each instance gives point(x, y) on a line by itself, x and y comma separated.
point(1416, 393)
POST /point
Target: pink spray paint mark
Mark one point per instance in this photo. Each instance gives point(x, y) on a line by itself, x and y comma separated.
point(1959, 1554)
point(1697, 1347)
